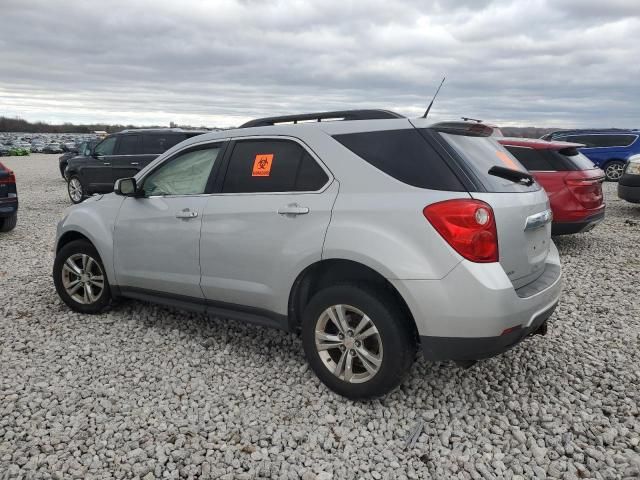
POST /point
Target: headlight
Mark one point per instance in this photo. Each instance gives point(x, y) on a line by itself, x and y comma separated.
point(633, 167)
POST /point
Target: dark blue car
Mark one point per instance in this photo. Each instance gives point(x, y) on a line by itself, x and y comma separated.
point(609, 149)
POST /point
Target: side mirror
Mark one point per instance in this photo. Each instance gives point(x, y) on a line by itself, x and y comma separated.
point(126, 187)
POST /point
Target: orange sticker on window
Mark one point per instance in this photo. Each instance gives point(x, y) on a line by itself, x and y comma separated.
point(507, 160)
point(262, 165)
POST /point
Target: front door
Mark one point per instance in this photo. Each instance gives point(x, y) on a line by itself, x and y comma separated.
point(95, 172)
point(157, 237)
point(125, 163)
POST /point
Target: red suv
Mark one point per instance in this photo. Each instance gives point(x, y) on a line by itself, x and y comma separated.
point(572, 181)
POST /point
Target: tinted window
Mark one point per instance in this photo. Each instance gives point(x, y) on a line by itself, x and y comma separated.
point(128, 145)
point(577, 159)
point(480, 154)
point(185, 174)
point(603, 140)
point(159, 143)
point(272, 166)
point(106, 146)
point(405, 155)
point(534, 160)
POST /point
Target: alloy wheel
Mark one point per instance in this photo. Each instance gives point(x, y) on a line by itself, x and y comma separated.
point(83, 278)
point(614, 171)
point(75, 189)
point(348, 343)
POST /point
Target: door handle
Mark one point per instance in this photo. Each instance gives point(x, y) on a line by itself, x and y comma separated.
point(107, 163)
point(293, 209)
point(186, 213)
point(135, 163)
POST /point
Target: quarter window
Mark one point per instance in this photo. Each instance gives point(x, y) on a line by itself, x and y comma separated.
point(185, 174)
point(272, 166)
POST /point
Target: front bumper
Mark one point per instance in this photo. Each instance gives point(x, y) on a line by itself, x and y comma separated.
point(577, 226)
point(475, 312)
point(630, 193)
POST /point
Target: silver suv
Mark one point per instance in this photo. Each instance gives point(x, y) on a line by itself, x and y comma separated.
point(373, 237)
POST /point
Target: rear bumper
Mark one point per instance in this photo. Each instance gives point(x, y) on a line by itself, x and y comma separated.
point(464, 315)
point(629, 193)
point(464, 349)
point(577, 226)
point(8, 207)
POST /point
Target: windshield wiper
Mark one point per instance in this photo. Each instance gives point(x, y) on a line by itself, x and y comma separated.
point(516, 176)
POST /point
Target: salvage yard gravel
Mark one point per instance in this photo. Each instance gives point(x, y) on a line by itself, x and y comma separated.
point(148, 392)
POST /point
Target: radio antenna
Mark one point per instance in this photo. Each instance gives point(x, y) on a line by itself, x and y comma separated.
point(434, 98)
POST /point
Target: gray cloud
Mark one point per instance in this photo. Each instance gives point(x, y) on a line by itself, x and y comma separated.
point(553, 62)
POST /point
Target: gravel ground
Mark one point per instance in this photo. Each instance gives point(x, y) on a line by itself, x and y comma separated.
point(149, 392)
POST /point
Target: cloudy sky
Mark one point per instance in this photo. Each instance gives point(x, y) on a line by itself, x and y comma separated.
point(221, 62)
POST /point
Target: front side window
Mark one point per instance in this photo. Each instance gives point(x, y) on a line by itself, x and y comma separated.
point(272, 166)
point(106, 146)
point(185, 174)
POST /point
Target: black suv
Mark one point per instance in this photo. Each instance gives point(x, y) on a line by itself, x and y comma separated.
point(120, 155)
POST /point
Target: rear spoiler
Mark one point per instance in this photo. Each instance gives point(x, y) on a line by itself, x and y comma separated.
point(464, 128)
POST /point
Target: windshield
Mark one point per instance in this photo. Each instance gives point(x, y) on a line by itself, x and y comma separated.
point(479, 154)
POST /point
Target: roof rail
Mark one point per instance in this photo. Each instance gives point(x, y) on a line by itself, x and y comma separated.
point(320, 116)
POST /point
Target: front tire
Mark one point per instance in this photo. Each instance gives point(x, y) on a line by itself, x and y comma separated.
point(357, 340)
point(614, 170)
point(80, 279)
point(9, 223)
point(75, 190)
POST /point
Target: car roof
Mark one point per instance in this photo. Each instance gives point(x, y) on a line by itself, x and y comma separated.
point(538, 144)
point(162, 131)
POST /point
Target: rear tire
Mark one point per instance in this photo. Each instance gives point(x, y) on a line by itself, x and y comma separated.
point(76, 190)
point(613, 170)
point(9, 223)
point(362, 358)
point(80, 278)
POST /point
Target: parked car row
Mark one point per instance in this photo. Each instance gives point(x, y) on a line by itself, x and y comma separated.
point(41, 142)
point(374, 236)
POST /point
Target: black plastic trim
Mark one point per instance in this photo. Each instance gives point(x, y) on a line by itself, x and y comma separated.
point(478, 348)
point(233, 311)
point(583, 225)
point(629, 193)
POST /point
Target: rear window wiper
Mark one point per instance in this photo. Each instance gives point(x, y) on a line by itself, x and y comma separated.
point(516, 176)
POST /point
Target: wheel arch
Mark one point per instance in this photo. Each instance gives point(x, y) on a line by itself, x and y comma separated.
point(333, 271)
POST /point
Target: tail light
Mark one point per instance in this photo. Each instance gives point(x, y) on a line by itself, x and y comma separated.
point(588, 191)
point(6, 175)
point(467, 225)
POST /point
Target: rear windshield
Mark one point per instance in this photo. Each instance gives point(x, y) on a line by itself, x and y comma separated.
point(568, 159)
point(479, 154)
point(405, 155)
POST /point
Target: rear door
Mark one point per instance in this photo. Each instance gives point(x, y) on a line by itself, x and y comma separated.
point(267, 223)
point(523, 215)
point(125, 163)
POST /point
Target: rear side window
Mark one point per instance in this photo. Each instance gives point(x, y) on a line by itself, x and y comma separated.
point(577, 159)
point(479, 154)
point(534, 160)
point(128, 145)
point(272, 166)
point(404, 155)
point(595, 141)
point(160, 143)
